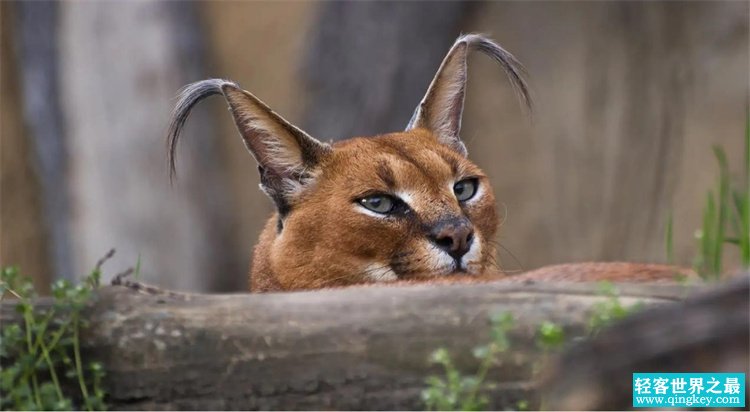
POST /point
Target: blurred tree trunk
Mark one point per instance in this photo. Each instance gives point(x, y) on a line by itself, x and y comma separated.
point(35, 34)
point(640, 147)
point(22, 238)
point(369, 63)
point(118, 86)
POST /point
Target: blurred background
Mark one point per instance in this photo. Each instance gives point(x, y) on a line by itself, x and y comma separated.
point(630, 96)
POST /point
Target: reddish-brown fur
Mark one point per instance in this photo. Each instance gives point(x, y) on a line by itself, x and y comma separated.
point(345, 240)
point(611, 271)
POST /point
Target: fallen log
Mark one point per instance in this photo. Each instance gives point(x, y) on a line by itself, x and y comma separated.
point(707, 333)
point(352, 348)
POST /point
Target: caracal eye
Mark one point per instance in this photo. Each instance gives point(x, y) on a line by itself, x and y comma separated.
point(465, 189)
point(378, 203)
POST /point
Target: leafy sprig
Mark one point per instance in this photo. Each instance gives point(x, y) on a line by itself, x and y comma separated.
point(43, 368)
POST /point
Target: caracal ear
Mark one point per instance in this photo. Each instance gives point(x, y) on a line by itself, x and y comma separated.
point(285, 154)
point(442, 106)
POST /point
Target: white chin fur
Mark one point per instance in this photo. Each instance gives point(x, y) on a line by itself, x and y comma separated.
point(378, 272)
point(470, 261)
point(441, 263)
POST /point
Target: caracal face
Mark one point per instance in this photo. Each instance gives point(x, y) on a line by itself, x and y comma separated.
point(384, 208)
point(368, 209)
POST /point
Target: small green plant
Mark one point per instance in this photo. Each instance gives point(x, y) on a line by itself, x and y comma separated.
point(522, 405)
point(742, 205)
point(462, 392)
point(726, 217)
point(610, 310)
point(669, 239)
point(550, 336)
point(137, 270)
point(457, 391)
point(42, 359)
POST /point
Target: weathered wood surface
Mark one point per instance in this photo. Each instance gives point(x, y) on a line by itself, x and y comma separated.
point(355, 348)
point(710, 333)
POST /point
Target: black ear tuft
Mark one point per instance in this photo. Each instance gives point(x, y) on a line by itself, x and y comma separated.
point(441, 108)
point(285, 154)
point(188, 97)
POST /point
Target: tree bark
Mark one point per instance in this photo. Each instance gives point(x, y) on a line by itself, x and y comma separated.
point(23, 239)
point(353, 348)
point(37, 64)
point(118, 87)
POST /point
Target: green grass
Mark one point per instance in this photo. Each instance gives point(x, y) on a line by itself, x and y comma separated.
point(43, 368)
point(669, 239)
point(726, 217)
point(742, 206)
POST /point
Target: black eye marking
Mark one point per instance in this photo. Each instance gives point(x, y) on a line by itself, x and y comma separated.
point(465, 189)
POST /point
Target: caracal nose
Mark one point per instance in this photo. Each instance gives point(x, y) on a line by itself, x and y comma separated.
point(454, 237)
